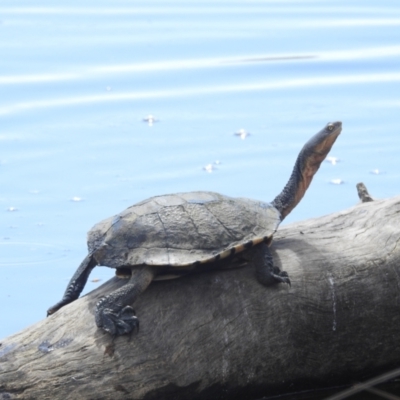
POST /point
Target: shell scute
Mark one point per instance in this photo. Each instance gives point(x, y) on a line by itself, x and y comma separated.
point(182, 230)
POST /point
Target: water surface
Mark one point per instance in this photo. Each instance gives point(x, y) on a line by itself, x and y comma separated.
point(77, 80)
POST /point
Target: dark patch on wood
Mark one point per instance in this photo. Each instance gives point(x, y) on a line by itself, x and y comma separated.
point(110, 350)
point(173, 392)
point(298, 390)
point(7, 349)
point(121, 388)
point(47, 347)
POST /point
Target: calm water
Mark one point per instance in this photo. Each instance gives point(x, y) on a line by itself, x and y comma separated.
point(76, 82)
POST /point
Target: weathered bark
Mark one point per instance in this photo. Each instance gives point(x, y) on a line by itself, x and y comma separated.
point(223, 335)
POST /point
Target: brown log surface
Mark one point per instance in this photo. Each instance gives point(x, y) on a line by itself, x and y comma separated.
point(222, 335)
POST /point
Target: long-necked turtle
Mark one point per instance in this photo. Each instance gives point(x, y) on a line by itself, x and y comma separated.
point(178, 233)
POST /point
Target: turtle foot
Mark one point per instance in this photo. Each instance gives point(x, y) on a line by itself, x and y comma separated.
point(281, 276)
point(118, 323)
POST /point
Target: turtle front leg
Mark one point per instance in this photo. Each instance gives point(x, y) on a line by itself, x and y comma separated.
point(266, 273)
point(114, 313)
point(76, 284)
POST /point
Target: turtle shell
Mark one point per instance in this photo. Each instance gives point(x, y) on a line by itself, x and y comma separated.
point(181, 230)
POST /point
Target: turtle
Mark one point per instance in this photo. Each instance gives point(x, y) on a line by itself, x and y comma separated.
point(172, 235)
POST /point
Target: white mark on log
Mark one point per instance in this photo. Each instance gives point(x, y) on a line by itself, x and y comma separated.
point(332, 283)
point(225, 356)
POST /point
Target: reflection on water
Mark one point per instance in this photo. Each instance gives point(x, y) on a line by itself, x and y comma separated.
point(176, 65)
point(198, 91)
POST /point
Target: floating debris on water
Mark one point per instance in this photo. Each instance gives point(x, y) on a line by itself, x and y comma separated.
point(212, 167)
point(337, 181)
point(76, 199)
point(242, 133)
point(332, 160)
point(376, 172)
point(12, 209)
point(150, 119)
point(209, 168)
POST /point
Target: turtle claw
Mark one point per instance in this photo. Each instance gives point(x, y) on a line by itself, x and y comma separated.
point(127, 322)
point(281, 276)
point(121, 323)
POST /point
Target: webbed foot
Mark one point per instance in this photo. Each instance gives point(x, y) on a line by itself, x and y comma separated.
point(117, 323)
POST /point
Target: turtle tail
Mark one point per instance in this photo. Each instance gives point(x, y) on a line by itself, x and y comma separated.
point(307, 164)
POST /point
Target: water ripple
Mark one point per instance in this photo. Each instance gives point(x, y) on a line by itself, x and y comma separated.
point(194, 91)
point(93, 72)
point(26, 253)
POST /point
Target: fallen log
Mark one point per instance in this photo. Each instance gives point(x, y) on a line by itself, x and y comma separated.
point(222, 335)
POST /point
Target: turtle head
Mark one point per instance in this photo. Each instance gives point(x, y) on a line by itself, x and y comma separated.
point(318, 147)
point(307, 164)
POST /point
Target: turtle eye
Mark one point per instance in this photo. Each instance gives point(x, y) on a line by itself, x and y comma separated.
point(330, 127)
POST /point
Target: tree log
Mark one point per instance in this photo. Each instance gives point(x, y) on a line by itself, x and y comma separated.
point(222, 335)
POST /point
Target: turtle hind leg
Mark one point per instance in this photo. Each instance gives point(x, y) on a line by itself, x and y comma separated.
point(113, 312)
point(76, 284)
point(266, 273)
